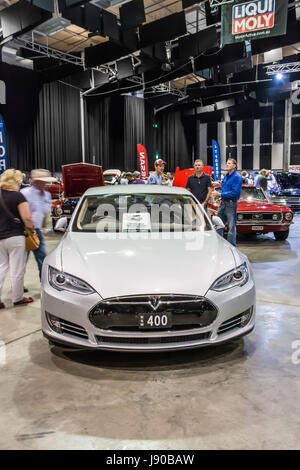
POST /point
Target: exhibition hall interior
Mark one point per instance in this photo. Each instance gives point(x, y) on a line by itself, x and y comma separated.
point(149, 225)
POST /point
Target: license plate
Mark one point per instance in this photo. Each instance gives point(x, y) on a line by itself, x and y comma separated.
point(155, 320)
point(257, 227)
point(67, 211)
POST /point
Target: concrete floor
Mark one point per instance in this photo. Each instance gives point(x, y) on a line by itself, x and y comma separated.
point(242, 395)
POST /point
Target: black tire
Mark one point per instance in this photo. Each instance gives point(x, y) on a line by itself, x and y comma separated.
point(280, 236)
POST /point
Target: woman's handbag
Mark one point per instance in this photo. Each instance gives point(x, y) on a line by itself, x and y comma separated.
point(32, 241)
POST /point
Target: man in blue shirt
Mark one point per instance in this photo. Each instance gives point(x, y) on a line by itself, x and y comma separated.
point(157, 176)
point(230, 194)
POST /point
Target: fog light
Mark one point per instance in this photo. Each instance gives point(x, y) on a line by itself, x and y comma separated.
point(245, 318)
point(54, 323)
point(275, 217)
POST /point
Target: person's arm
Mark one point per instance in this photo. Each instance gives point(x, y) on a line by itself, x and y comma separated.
point(235, 192)
point(209, 192)
point(188, 185)
point(25, 214)
point(45, 220)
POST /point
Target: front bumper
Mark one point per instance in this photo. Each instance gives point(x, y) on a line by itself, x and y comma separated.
point(266, 228)
point(80, 333)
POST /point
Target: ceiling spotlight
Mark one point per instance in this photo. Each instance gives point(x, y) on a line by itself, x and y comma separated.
point(279, 76)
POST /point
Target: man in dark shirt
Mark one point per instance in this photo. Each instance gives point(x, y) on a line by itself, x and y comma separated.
point(200, 184)
point(230, 194)
point(262, 180)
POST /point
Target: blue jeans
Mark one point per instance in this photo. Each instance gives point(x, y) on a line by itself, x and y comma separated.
point(227, 212)
point(40, 253)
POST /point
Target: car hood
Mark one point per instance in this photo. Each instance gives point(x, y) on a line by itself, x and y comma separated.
point(132, 267)
point(244, 206)
point(79, 177)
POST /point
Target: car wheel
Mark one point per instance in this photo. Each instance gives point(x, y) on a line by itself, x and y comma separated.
point(280, 236)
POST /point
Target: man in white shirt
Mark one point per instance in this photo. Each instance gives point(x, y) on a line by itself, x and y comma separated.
point(40, 202)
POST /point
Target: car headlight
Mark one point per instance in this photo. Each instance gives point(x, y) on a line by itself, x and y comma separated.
point(58, 211)
point(240, 216)
point(63, 281)
point(236, 277)
point(288, 216)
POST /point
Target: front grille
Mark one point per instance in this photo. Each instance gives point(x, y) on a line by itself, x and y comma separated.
point(122, 313)
point(152, 340)
point(234, 322)
point(259, 217)
point(72, 329)
point(68, 206)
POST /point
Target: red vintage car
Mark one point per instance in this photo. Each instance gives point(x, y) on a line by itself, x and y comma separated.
point(77, 178)
point(256, 214)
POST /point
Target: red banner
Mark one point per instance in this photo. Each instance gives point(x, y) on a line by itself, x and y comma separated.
point(143, 161)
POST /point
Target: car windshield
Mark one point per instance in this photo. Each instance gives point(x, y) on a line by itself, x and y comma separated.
point(288, 180)
point(252, 193)
point(140, 213)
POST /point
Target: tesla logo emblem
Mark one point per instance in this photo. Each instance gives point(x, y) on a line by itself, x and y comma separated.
point(154, 302)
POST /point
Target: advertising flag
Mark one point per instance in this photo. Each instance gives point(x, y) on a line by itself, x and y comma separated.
point(216, 160)
point(256, 19)
point(143, 161)
point(3, 149)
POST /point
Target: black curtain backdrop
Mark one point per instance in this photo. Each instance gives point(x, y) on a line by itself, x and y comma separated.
point(114, 126)
point(134, 130)
point(150, 133)
point(175, 141)
point(104, 131)
point(22, 88)
point(57, 131)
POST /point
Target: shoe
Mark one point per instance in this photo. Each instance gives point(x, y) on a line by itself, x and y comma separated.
point(25, 300)
point(25, 289)
point(2, 305)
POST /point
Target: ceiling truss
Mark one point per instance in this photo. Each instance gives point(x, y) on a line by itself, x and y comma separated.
point(283, 68)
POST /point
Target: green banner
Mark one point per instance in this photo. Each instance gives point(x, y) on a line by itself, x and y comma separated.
point(257, 19)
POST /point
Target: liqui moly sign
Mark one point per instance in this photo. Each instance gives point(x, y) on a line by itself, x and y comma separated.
point(143, 161)
point(253, 16)
point(257, 19)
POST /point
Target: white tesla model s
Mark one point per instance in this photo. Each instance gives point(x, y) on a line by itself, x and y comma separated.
point(142, 268)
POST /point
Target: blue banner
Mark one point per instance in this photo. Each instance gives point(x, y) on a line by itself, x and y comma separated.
point(3, 149)
point(216, 160)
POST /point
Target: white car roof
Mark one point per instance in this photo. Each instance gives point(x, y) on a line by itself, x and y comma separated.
point(136, 189)
point(112, 172)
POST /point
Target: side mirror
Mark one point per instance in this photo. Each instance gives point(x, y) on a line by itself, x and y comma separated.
point(62, 224)
point(217, 222)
